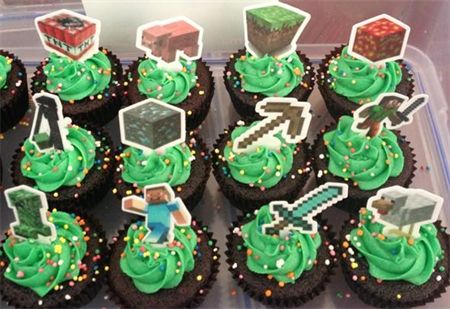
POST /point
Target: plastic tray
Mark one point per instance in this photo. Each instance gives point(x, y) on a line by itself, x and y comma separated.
point(428, 134)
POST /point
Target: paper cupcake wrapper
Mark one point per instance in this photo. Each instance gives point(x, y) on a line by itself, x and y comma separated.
point(15, 295)
point(245, 102)
point(338, 105)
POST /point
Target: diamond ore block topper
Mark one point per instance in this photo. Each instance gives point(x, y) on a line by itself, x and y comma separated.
point(152, 125)
point(161, 210)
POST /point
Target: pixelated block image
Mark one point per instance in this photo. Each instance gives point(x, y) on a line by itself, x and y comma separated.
point(68, 34)
point(378, 40)
point(152, 125)
point(272, 28)
point(165, 40)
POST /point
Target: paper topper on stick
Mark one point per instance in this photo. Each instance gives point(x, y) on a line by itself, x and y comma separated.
point(68, 33)
point(379, 39)
point(299, 215)
point(273, 28)
point(166, 41)
point(162, 212)
point(49, 130)
point(392, 110)
point(30, 211)
point(286, 115)
point(403, 211)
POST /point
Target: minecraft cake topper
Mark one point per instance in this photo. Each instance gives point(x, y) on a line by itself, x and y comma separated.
point(162, 212)
point(49, 129)
point(152, 125)
point(403, 211)
point(299, 215)
point(273, 28)
point(379, 39)
point(392, 110)
point(166, 41)
point(69, 34)
point(30, 212)
point(285, 115)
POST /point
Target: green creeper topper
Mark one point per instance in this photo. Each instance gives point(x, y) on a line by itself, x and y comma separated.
point(30, 210)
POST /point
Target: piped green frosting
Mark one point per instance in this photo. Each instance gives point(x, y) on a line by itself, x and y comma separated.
point(5, 68)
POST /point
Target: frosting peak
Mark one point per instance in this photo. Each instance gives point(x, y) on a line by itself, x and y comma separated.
point(5, 68)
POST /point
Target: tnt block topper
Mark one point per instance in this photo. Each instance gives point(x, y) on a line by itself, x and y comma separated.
point(379, 39)
point(69, 34)
point(161, 210)
point(273, 28)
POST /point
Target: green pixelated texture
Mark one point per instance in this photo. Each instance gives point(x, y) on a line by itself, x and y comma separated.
point(275, 17)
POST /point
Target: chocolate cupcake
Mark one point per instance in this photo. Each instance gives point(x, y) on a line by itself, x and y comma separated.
point(13, 90)
point(250, 79)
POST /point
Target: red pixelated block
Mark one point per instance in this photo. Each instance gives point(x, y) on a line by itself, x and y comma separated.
point(379, 40)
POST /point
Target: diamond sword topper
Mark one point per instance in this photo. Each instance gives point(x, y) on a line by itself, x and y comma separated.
point(299, 216)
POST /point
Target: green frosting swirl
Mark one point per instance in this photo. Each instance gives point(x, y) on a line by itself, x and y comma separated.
point(169, 87)
point(75, 80)
point(55, 168)
point(262, 168)
point(360, 81)
point(283, 258)
point(41, 267)
point(268, 75)
point(172, 167)
point(397, 258)
point(5, 67)
point(369, 162)
point(157, 267)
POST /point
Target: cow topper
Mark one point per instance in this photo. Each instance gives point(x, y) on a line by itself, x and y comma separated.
point(286, 115)
point(379, 39)
point(30, 211)
point(166, 41)
point(392, 110)
point(299, 215)
point(398, 208)
point(69, 34)
point(273, 28)
point(49, 129)
point(162, 212)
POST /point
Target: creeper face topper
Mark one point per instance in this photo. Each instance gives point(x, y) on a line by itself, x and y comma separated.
point(273, 28)
point(69, 34)
point(30, 210)
point(161, 210)
point(152, 125)
point(299, 215)
point(403, 211)
point(379, 39)
point(391, 110)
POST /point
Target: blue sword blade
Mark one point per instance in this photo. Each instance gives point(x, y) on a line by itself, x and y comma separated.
point(318, 198)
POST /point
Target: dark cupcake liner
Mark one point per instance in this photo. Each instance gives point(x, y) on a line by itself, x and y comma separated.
point(13, 106)
point(181, 296)
point(358, 198)
point(384, 294)
point(248, 198)
point(338, 105)
point(191, 192)
point(291, 295)
point(245, 102)
point(94, 186)
point(94, 110)
point(80, 295)
point(196, 106)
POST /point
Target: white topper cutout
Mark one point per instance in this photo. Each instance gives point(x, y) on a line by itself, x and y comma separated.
point(379, 39)
point(391, 110)
point(50, 129)
point(69, 34)
point(403, 211)
point(285, 115)
point(166, 41)
point(273, 28)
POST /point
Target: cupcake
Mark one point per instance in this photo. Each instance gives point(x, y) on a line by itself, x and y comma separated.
point(13, 90)
point(396, 269)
